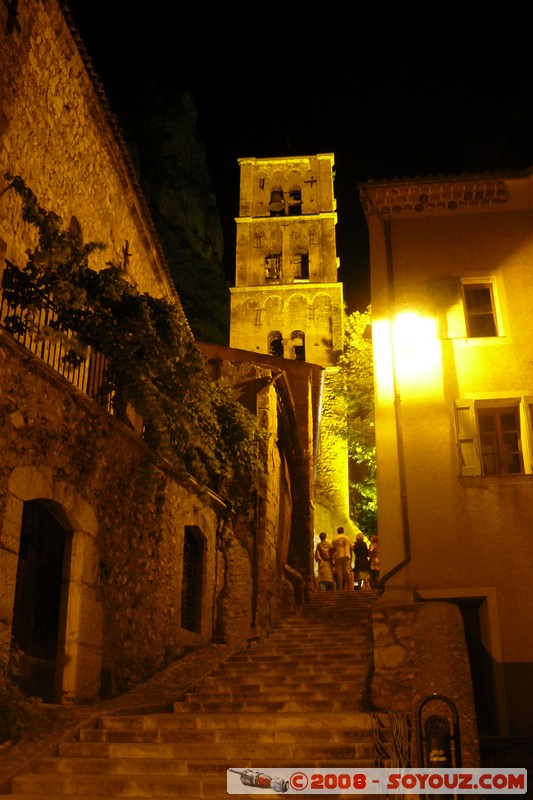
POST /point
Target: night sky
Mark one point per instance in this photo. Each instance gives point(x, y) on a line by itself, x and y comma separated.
point(393, 89)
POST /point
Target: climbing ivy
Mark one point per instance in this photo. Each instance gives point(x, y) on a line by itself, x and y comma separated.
point(154, 364)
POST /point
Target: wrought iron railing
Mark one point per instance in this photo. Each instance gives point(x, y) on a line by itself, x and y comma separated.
point(29, 316)
point(392, 739)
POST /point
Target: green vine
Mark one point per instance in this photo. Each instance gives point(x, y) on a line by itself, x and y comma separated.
point(154, 364)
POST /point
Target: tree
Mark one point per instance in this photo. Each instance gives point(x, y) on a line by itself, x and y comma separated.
point(154, 364)
point(354, 390)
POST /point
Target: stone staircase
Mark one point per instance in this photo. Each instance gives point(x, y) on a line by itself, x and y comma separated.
point(291, 700)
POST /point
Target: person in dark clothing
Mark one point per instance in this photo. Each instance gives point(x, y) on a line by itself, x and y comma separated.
point(362, 564)
point(373, 554)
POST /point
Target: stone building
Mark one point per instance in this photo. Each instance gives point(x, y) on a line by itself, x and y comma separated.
point(287, 299)
point(113, 562)
point(450, 275)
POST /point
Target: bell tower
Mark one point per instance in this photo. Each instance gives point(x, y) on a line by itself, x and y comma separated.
point(287, 300)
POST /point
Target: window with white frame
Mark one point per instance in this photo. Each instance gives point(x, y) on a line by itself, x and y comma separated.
point(466, 308)
point(494, 436)
point(480, 309)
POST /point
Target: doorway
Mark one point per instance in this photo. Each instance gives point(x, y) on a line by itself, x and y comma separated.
point(192, 581)
point(37, 605)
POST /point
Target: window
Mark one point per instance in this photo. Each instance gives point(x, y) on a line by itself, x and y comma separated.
point(494, 436)
point(298, 345)
point(499, 436)
point(300, 260)
point(295, 202)
point(275, 343)
point(277, 202)
point(480, 311)
point(273, 266)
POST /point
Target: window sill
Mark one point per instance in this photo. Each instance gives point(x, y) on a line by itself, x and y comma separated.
point(482, 481)
point(477, 341)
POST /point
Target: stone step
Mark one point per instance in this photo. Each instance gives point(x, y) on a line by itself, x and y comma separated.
point(267, 657)
point(217, 762)
point(221, 794)
point(141, 786)
point(326, 721)
point(216, 736)
point(144, 786)
point(290, 700)
point(278, 646)
point(312, 667)
point(304, 672)
point(281, 691)
point(280, 656)
point(262, 706)
point(255, 683)
point(192, 743)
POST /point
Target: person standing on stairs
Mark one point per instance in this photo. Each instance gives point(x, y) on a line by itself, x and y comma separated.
point(324, 559)
point(342, 554)
point(373, 555)
point(361, 566)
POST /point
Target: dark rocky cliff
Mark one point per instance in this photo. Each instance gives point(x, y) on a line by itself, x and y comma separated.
point(159, 127)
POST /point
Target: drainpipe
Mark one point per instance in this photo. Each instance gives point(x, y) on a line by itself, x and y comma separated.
point(397, 403)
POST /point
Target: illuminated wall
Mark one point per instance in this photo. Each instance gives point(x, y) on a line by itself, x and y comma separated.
point(287, 299)
point(451, 299)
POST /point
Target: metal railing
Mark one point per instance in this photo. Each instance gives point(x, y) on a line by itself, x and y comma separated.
point(29, 316)
point(391, 738)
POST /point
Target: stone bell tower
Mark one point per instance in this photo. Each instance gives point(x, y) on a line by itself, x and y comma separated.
point(287, 300)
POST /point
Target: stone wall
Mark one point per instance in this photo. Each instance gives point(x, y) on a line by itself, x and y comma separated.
point(125, 513)
point(420, 651)
point(58, 134)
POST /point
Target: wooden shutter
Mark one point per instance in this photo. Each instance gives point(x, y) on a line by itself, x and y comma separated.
point(526, 426)
point(467, 439)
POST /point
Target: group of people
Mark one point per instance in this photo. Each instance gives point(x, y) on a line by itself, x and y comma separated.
point(345, 565)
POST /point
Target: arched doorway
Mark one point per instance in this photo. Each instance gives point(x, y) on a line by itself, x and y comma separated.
point(37, 606)
point(192, 579)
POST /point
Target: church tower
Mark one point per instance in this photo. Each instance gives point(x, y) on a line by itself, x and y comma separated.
point(287, 300)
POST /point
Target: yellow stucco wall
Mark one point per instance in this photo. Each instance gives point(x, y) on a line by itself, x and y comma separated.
point(460, 536)
point(302, 310)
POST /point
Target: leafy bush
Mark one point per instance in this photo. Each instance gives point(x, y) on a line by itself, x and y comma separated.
point(154, 364)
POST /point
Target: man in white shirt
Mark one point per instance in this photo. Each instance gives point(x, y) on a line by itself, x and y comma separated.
point(343, 549)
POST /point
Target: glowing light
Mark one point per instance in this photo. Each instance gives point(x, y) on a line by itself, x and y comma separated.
point(417, 353)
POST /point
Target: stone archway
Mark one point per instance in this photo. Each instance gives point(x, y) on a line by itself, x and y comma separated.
point(80, 623)
point(37, 604)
